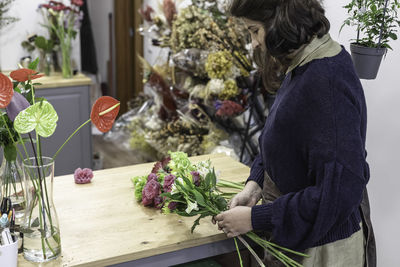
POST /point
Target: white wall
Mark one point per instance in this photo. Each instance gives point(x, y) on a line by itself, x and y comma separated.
point(11, 37)
point(383, 144)
point(98, 11)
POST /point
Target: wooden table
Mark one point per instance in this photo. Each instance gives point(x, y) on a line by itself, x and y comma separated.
point(102, 224)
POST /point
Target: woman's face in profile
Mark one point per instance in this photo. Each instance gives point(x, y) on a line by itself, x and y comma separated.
point(257, 33)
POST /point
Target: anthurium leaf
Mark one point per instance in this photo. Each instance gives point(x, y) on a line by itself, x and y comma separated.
point(41, 117)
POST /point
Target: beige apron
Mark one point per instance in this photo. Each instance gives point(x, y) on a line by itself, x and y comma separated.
point(341, 253)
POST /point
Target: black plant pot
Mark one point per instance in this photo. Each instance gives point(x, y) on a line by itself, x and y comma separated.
point(366, 60)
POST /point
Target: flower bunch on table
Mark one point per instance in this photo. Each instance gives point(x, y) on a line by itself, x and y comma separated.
point(176, 185)
point(63, 23)
point(27, 119)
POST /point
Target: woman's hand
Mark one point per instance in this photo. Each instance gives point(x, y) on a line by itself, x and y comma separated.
point(235, 221)
point(250, 195)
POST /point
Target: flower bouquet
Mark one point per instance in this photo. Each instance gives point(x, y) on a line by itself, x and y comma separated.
point(63, 22)
point(33, 119)
point(175, 185)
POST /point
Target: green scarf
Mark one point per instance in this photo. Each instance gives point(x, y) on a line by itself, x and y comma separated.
point(318, 48)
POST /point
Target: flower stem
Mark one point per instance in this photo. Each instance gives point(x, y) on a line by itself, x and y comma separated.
point(61, 147)
point(238, 252)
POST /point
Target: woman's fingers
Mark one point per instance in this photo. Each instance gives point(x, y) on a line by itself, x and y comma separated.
point(233, 203)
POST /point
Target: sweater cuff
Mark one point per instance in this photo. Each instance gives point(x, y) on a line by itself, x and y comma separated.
point(261, 217)
point(257, 176)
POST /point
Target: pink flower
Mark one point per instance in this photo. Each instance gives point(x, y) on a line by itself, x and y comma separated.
point(146, 13)
point(229, 108)
point(195, 178)
point(77, 2)
point(169, 10)
point(152, 176)
point(150, 191)
point(83, 176)
point(168, 182)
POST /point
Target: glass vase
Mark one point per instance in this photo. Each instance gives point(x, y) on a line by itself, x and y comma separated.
point(40, 225)
point(12, 187)
point(66, 63)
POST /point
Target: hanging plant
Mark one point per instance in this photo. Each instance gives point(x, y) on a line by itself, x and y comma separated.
point(377, 23)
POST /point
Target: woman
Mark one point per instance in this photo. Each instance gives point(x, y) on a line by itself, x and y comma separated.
point(311, 170)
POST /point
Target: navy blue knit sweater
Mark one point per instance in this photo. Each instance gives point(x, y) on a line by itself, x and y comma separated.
point(313, 148)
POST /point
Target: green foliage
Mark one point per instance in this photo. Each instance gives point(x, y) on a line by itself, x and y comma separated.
point(5, 138)
point(4, 7)
point(139, 182)
point(373, 21)
point(43, 44)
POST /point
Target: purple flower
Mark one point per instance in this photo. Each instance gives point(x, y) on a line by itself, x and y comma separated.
point(152, 176)
point(150, 191)
point(83, 176)
point(168, 182)
point(158, 202)
point(195, 178)
point(172, 205)
point(18, 103)
point(217, 104)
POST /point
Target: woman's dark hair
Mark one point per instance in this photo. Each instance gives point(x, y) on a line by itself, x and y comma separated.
point(288, 25)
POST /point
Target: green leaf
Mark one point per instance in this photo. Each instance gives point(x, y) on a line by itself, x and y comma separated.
point(199, 198)
point(188, 182)
point(26, 230)
point(10, 152)
point(41, 117)
point(393, 36)
point(221, 203)
point(213, 178)
point(41, 42)
point(197, 222)
point(35, 223)
point(33, 65)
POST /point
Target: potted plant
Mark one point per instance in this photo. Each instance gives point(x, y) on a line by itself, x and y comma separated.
point(377, 22)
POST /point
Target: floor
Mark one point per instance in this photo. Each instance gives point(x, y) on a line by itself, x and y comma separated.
point(111, 156)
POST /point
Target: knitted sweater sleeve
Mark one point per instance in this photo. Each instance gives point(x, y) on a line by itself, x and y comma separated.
point(257, 171)
point(330, 133)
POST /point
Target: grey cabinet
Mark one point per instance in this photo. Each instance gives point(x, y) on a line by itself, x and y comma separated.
point(72, 104)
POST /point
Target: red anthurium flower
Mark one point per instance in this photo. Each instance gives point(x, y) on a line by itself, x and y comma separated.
point(104, 122)
point(6, 90)
point(23, 75)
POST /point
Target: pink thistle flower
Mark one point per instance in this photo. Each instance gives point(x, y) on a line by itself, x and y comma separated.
point(150, 191)
point(83, 176)
point(152, 176)
point(168, 182)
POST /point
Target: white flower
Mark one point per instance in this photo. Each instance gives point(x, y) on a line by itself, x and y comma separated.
point(174, 189)
point(215, 86)
point(235, 72)
point(191, 206)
